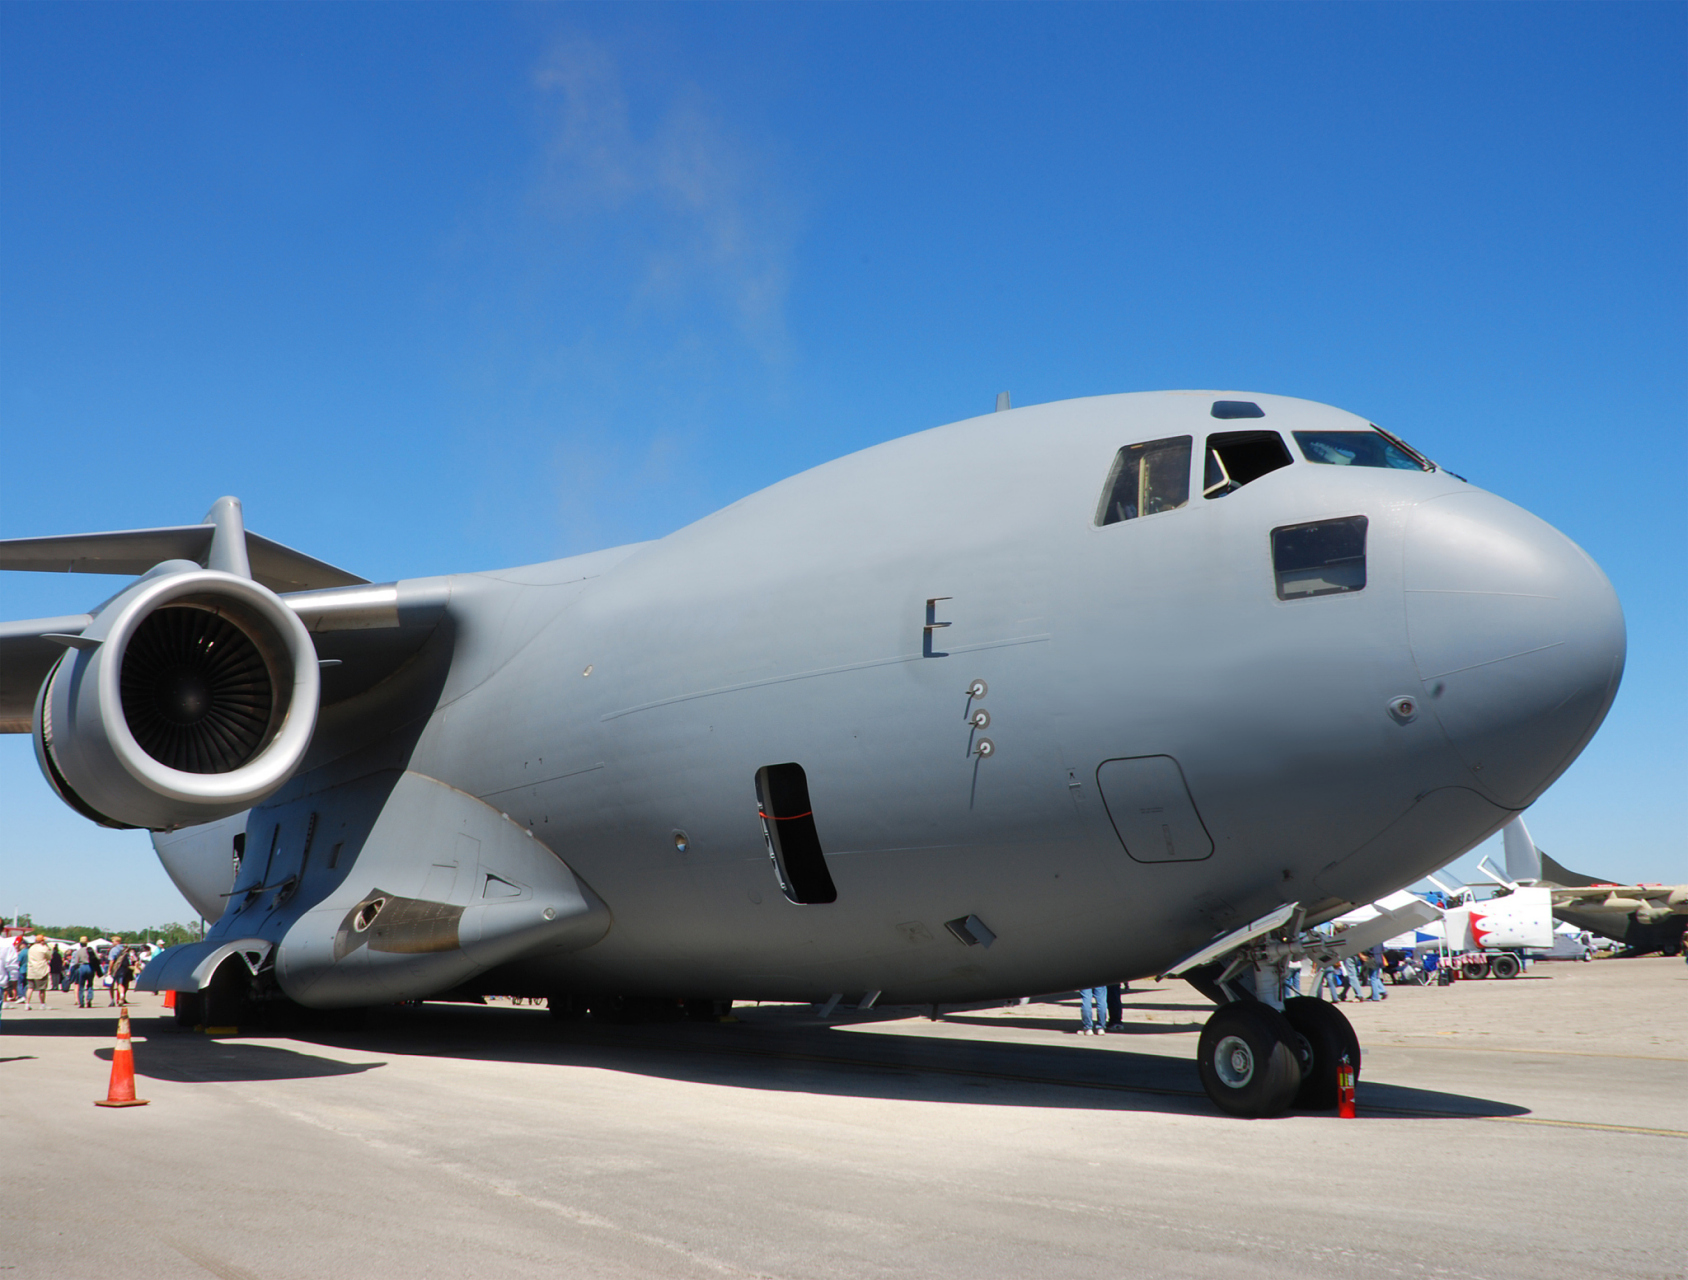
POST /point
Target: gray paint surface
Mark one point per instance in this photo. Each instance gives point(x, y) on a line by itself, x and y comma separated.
point(618, 706)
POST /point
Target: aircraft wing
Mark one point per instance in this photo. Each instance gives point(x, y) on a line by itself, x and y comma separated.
point(26, 656)
point(28, 649)
point(133, 551)
point(1598, 894)
point(361, 634)
point(1591, 893)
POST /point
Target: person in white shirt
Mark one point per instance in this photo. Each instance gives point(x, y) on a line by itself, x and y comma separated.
point(11, 968)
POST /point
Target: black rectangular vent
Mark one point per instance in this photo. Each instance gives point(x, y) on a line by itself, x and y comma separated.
point(788, 824)
point(1237, 409)
point(972, 931)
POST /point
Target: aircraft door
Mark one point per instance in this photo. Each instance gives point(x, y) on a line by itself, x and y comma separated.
point(1150, 806)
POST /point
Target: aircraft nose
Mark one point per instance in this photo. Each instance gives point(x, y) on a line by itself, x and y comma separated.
point(1518, 637)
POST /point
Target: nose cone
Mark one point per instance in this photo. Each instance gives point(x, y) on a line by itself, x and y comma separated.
point(1518, 637)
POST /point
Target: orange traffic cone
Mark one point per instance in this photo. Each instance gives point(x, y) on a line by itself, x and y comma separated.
point(169, 999)
point(1344, 1089)
point(122, 1090)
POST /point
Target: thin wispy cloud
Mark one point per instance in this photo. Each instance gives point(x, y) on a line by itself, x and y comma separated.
point(631, 299)
point(683, 197)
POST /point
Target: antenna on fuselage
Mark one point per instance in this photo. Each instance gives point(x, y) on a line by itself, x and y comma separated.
point(1002, 404)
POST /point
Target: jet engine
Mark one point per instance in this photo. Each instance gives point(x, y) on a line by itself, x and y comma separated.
point(192, 695)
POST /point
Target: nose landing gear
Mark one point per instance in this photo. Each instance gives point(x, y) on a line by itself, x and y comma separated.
point(1260, 1054)
point(1256, 1062)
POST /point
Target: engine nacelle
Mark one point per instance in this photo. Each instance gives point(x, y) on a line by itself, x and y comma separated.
point(191, 696)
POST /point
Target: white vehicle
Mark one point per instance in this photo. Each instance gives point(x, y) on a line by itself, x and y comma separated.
point(1489, 937)
point(1569, 943)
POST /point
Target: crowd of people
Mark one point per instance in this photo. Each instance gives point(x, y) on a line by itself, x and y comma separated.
point(30, 968)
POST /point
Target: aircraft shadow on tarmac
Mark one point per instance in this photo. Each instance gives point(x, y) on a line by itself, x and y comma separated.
point(1158, 1006)
point(164, 1053)
point(181, 1060)
point(808, 1057)
point(1066, 1024)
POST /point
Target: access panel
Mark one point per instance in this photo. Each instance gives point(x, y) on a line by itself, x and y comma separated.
point(1151, 809)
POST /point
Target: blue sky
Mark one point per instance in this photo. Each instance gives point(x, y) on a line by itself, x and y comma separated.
point(439, 287)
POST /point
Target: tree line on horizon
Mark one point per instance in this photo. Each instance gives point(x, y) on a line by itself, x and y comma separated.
point(168, 935)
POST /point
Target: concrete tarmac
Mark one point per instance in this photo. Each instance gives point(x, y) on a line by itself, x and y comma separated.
point(1532, 1128)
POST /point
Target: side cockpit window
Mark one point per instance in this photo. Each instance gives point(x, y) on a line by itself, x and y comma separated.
point(1325, 558)
point(1146, 479)
point(1374, 448)
point(1236, 458)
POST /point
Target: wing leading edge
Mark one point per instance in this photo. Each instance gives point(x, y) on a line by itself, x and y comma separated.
point(327, 598)
point(133, 551)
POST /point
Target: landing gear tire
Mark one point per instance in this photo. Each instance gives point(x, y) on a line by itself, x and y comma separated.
point(190, 1010)
point(1327, 1035)
point(566, 1008)
point(1506, 966)
point(227, 997)
point(1248, 1060)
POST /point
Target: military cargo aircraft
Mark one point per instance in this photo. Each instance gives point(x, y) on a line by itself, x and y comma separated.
point(1644, 917)
point(1105, 688)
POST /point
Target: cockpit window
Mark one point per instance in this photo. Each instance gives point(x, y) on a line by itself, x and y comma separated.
point(1372, 448)
point(1235, 458)
point(1146, 479)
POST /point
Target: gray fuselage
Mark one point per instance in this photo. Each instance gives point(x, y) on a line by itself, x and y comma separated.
point(1321, 748)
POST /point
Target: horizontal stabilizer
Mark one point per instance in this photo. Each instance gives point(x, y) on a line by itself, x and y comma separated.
point(132, 552)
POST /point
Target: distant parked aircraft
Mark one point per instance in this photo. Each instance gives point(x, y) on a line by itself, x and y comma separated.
point(1644, 917)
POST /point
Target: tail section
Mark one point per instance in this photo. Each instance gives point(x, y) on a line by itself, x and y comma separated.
point(1523, 859)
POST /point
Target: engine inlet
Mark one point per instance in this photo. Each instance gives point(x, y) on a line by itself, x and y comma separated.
point(196, 691)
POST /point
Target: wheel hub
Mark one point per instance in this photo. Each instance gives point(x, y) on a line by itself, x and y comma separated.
point(1233, 1062)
